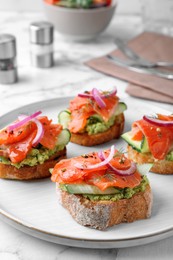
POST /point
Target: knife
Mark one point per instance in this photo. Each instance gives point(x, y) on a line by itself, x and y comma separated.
point(128, 64)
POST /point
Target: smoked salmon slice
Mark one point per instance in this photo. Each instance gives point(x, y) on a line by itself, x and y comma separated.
point(67, 172)
point(159, 138)
point(17, 143)
point(82, 108)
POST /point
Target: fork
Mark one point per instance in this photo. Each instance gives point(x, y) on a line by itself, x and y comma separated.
point(138, 60)
point(129, 64)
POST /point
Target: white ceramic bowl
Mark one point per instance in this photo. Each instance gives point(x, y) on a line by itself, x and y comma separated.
point(80, 24)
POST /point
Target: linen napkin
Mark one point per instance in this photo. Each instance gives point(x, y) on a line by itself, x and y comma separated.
point(153, 47)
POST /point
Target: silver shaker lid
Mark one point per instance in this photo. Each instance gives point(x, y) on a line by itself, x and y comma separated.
point(7, 46)
point(41, 32)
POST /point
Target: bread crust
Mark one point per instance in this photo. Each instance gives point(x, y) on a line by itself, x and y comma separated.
point(31, 172)
point(90, 140)
point(103, 214)
point(159, 166)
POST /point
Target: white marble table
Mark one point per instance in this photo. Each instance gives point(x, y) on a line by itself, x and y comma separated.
point(68, 77)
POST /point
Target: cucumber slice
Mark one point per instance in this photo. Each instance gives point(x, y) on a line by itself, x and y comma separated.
point(144, 146)
point(143, 169)
point(120, 108)
point(87, 189)
point(64, 118)
point(64, 137)
point(140, 146)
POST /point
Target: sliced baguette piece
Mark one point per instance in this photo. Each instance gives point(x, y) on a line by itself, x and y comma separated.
point(31, 172)
point(103, 214)
point(90, 140)
point(159, 166)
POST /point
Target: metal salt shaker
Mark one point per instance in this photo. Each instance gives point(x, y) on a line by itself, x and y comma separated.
point(8, 68)
point(41, 39)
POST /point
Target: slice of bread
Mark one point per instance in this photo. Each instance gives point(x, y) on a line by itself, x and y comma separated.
point(103, 214)
point(31, 172)
point(159, 166)
point(90, 140)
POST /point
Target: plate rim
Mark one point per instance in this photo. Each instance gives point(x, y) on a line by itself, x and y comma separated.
point(22, 223)
point(108, 243)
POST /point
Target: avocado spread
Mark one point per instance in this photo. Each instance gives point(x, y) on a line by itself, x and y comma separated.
point(95, 124)
point(125, 193)
point(169, 156)
point(34, 157)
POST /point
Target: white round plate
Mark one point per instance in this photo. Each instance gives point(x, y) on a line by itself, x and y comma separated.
point(33, 207)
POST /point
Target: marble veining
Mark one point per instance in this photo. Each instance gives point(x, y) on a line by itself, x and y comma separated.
point(68, 77)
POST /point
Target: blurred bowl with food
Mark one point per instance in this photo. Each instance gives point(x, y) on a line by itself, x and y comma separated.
point(80, 19)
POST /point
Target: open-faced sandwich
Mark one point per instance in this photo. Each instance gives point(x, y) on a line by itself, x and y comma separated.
point(151, 141)
point(103, 189)
point(94, 117)
point(30, 146)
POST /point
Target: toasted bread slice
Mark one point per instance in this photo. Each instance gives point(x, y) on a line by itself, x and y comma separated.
point(159, 166)
point(90, 140)
point(103, 214)
point(31, 172)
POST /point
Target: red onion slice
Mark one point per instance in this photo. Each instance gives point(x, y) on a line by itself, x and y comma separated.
point(157, 122)
point(40, 129)
point(97, 165)
point(23, 121)
point(111, 93)
point(127, 172)
point(98, 98)
point(40, 132)
point(101, 156)
point(83, 95)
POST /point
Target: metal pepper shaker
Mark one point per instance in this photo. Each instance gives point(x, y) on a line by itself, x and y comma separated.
point(41, 39)
point(8, 68)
